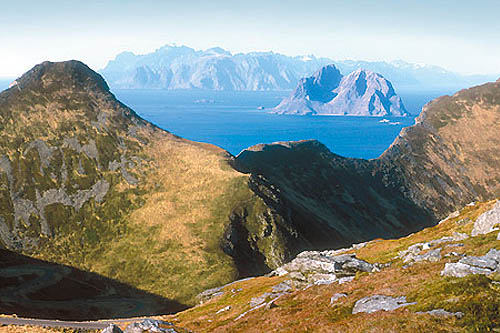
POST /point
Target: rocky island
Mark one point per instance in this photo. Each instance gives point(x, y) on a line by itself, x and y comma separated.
point(327, 92)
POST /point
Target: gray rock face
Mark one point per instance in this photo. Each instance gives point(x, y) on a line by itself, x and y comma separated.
point(324, 267)
point(378, 303)
point(149, 325)
point(414, 252)
point(432, 256)
point(487, 222)
point(486, 264)
point(336, 297)
point(361, 93)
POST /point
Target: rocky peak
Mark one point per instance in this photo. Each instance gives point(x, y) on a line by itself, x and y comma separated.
point(320, 85)
point(363, 81)
point(56, 75)
point(361, 93)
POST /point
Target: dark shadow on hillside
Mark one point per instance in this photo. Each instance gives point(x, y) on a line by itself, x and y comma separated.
point(38, 289)
point(331, 201)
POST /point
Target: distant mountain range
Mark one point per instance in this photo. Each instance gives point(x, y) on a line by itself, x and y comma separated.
point(327, 92)
point(181, 67)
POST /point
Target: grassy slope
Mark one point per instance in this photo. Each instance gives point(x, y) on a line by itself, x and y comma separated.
point(163, 234)
point(309, 310)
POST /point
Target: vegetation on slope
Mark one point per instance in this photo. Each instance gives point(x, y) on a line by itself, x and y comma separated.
point(87, 183)
point(310, 309)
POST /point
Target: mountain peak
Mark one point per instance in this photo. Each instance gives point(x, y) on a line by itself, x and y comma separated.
point(361, 93)
point(65, 74)
point(218, 50)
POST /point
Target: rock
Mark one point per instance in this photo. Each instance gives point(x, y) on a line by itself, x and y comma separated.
point(224, 309)
point(488, 221)
point(313, 267)
point(112, 328)
point(379, 302)
point(486, 264)
point(346, 279)
point(432, 256)
point(463, 221)
point(320, 278)
point(455, 245)
point(149, 325)
point(493, 254)
point(209, 294)
point(460, 270)
point(442, 313)
point(256, 301)
point(482, 262)
point(336, 297)
point(458, 236)
point(326, 92)
point(297, 276)
point(454, 254)
point(451, 216)
point(282, 287)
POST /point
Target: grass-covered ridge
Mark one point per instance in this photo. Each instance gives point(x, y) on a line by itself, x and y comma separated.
point(86, 182)
point(310, 309)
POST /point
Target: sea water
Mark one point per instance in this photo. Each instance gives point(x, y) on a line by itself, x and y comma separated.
point(237, 120)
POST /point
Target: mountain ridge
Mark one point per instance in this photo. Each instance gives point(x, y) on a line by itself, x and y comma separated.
point(181, 67)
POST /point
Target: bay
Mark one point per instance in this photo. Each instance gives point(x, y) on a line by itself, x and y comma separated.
point(237, 120)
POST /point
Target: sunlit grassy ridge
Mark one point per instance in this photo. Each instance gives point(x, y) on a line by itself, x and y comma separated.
point(160, 220)
point(310, 310)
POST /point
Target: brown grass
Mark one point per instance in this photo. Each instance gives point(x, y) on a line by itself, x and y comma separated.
point(309, 310)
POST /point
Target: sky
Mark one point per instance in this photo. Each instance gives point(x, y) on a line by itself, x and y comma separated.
point(462, 36)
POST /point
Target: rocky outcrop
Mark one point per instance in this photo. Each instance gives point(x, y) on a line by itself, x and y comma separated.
point(488, 221)
point(326, 92)
point(487, 264)
point(376, 303)
point(325, 267)
point(150, 325)
point(112, 328)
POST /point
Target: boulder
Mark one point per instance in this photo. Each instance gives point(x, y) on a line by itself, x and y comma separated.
point(432, 256)
point(378, 303)
point(488, 221)
point(486, 264)
point(149, 325)
point(313, 267)
point(336, 297)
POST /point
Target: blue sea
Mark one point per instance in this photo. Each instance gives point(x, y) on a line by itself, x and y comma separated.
point(237, 120)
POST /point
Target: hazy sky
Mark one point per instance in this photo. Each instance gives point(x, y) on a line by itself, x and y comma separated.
point(463, 36)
